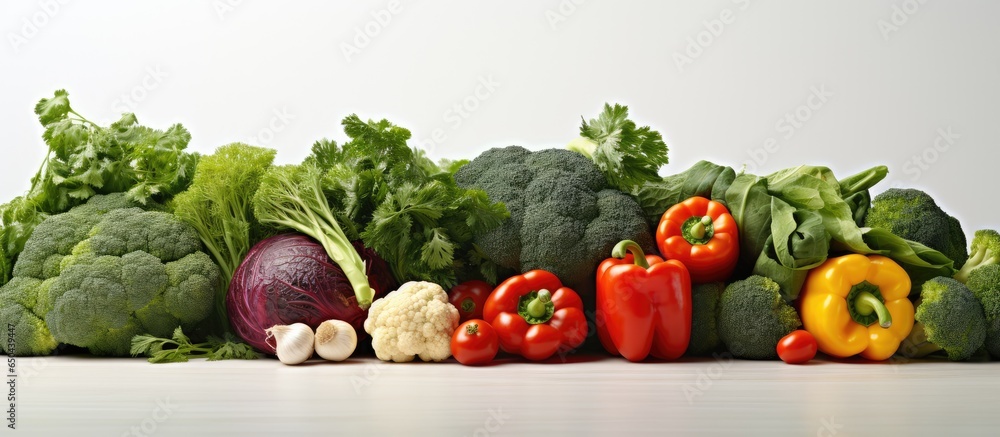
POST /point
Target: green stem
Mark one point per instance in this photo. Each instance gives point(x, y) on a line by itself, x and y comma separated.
point(630, 246)
point(83, 119)
point(468, 305)
point(866, 303)
point(536, 307)
point(698, 230)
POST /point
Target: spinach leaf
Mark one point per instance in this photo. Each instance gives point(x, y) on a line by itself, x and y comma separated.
point(703, 179)
point(750, 205)
point(800, 239)
point(920, 262)
point(790, 280)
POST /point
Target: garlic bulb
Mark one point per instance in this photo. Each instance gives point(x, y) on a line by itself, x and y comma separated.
point(293, 343)
point(335, 340)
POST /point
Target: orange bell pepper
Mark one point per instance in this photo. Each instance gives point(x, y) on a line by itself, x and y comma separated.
point(702, 235)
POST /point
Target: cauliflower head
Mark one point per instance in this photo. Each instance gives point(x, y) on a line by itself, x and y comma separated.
point(104, 272)
point(416, 319)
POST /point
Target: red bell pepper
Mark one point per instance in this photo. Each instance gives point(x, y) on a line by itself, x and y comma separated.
point(702, 234)
point(643, 304)
point(535, 316)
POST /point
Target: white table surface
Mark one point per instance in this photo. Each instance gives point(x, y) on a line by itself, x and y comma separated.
point(80, 395)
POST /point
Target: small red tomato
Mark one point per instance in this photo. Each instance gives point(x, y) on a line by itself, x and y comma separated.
point(475, 342)
point(798, 347)
point(469, 297)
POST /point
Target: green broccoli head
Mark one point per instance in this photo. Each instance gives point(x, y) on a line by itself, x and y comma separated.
point(96, 276)
point(914, 215)
point(985, 252)
point(563, 216)
point(18, 303)
point(753, 317)
point(985, 285)
point(949, 318)
point(704, 314)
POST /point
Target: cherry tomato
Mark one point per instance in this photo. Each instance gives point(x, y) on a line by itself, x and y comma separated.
point(469, 297)
point(474, 343)
point(798, 347)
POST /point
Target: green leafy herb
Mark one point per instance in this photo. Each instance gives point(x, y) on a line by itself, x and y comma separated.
point(219, 205)
point(628, 155)
point(85, 159)
point(179, 348)
point(405, 207)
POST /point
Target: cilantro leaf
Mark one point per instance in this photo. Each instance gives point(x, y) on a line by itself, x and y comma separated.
point(53, 109)
point(628, 155)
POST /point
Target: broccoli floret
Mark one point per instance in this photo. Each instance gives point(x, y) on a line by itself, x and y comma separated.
point(18, 303)
point(913, 215)
point(704, 313)
point(985, 285)
point(985, 252)
point(753, 317)
point(95, 277)
point(563, 216)
point(949, 318)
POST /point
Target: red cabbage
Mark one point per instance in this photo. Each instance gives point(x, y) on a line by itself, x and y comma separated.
point(290, 279)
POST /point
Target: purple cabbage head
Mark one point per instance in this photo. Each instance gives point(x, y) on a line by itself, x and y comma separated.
point(290, 279)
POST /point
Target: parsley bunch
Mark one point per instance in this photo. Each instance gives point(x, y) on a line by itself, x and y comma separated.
point(85, 159)
point(405, 207)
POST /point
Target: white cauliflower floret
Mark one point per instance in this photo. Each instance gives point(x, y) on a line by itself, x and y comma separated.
point(416, 319)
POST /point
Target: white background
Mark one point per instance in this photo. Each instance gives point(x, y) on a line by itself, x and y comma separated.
point(898, 71)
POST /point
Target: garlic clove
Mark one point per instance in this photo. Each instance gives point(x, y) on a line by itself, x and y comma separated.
point(335, 340)
point(293, 343)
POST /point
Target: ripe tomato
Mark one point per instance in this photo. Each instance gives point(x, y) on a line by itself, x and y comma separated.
point(469, 297)
point(474, 343)
point(798, 347)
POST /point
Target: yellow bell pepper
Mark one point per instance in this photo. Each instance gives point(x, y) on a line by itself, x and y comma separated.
point(857, 304)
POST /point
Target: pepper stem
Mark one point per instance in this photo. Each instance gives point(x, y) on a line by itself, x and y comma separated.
point(536, 307)
point(698, 230)
point(630, 246)
point(468, 305)
point(866, 303)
